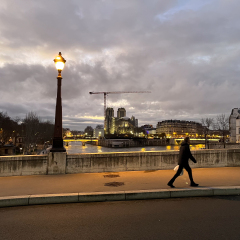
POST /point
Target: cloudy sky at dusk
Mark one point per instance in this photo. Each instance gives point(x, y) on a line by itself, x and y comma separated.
point(186, 52)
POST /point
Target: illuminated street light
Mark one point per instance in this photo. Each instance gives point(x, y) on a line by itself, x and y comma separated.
point(59, 62)
point(57, 145)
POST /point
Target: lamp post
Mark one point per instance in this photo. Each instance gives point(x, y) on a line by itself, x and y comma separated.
point(57, 145)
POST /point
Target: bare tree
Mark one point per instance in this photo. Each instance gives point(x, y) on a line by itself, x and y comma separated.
point(222, 124)
point(8, 127)
point(36, 131)
point(31, 126)
point(89, 131)
point(207, 124)
point(46, 130)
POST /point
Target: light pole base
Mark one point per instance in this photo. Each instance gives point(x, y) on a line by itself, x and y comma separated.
point(58, 145)
point(58, 150)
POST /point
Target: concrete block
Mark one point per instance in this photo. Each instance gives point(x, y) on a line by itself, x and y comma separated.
point(193, 192)
point(57, 163)
point(14, 201)
point(53, 198)
point(232, 190)
point(147, 194)
point(102, 196)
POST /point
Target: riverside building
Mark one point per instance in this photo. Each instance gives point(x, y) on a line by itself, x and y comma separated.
point(120, 124)
point(180, 128)
point(98, 132)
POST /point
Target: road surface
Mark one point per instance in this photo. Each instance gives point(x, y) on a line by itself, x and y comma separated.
point(181, 219)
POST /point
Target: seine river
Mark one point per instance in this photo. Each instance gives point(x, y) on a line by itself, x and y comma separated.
point(77, 147)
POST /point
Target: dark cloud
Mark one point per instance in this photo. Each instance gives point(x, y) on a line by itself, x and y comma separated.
point(185, 53)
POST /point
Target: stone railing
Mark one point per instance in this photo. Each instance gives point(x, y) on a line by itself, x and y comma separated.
point(221, 145)
point(62, 163)
point(23, 165)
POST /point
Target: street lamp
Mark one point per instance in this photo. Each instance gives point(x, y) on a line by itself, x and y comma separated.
point(57, 145)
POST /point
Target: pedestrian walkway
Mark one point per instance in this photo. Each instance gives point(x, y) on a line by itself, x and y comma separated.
point(115, 181)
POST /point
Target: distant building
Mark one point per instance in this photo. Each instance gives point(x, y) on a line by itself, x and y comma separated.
point(233, 128)
point(19, 141)
point(149, 130)
point(134, 121)
point(120, 124)
point(124, 125)
point(110, 112)
point(77, 134)
point(98, 132)
point(7, 149)
point(68, 134)
point(121, 113)
point(147, 126)
point(179, 128)
point(237, 130)
point(109, 121)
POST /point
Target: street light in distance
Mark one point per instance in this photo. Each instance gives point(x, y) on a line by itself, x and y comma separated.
point(57, 145)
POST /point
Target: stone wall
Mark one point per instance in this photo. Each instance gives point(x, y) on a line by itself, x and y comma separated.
point(61, 163)
point(221, 146)
point(23, 165)
point(141, 161)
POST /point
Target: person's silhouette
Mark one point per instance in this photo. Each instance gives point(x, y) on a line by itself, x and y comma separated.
point(184, 156)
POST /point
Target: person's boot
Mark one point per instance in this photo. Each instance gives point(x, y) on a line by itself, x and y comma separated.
point(193, 184)
point(170, 184)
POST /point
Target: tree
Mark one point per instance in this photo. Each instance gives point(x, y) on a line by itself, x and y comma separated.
point(36, 131)
point(31, 128)
point(207, 124)
point(222, 124)
point(46, 130)
point(99, 126)
point(89, 131)
point(8, 127)
point(74, 133)
point(31, 125)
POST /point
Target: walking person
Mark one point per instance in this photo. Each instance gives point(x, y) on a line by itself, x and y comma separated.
point(184, 155)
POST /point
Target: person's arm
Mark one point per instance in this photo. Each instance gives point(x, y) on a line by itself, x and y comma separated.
point(191, 156)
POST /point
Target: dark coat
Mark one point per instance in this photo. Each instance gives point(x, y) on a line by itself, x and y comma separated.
point(185, 154)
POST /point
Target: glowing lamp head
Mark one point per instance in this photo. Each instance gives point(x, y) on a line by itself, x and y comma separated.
point(59, 62)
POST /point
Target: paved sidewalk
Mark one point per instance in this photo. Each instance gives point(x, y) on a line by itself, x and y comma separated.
point(114, 182)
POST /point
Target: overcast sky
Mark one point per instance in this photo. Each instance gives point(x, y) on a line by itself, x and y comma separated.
point(186, 52)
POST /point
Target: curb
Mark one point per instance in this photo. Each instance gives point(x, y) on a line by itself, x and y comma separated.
point(27, 200)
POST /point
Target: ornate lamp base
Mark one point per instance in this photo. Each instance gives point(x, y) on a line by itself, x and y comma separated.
point(57, 145)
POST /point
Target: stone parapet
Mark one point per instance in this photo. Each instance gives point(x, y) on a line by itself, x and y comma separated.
point(56, 163)
point(141, 161)
point(23, 165)
point(221, 146)
point(62, 163)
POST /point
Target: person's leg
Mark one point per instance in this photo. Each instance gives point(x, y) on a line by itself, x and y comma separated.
point(189, 170)
point(176, 175)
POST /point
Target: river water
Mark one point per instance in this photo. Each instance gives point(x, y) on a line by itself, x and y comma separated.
point(77, 147)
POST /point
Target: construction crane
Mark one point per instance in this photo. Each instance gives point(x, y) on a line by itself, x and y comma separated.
point(117, 92)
